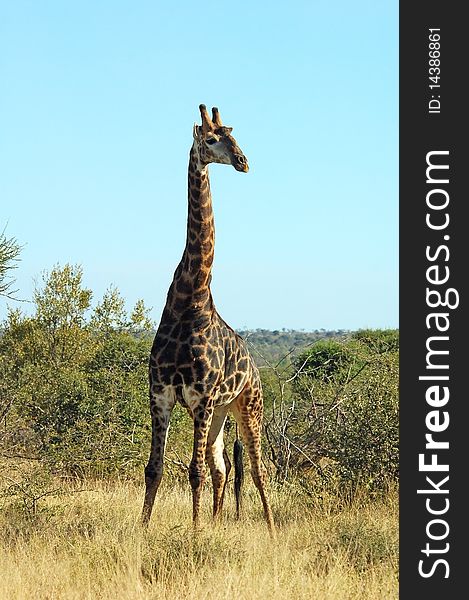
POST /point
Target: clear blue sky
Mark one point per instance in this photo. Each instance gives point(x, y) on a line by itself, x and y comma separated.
point(96, 113)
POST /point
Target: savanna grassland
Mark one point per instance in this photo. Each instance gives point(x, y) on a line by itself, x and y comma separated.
point(86, 542)
point(75, 435)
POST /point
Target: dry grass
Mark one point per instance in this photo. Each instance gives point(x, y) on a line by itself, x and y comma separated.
point(88, 545)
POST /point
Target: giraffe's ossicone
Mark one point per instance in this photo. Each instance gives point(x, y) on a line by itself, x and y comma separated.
point(196, 358)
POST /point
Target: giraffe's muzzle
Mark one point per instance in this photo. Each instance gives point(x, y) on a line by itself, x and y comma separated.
point(240, 163)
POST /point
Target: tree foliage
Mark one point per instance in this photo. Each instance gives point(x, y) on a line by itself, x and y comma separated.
point(76, 377)
point(336, 412)
point(74, 392)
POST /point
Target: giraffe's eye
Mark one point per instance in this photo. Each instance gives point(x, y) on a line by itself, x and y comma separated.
point(211, 141)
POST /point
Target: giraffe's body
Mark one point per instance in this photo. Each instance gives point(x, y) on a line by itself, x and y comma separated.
point(196, 358)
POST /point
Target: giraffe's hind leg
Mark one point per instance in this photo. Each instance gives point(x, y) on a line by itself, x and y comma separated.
point(161, 410)
point(248, 409)
point(217, 459)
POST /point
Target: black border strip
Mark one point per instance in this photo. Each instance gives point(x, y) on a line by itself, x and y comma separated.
point(422, 246)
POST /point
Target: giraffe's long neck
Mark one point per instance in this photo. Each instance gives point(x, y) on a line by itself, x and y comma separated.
point(191, 283)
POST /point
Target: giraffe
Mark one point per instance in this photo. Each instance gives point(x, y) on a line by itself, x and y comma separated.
point(197, 359)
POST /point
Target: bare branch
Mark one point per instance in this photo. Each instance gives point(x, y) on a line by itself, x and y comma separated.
point(9, 253)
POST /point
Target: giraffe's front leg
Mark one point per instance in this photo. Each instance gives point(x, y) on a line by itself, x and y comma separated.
point(160, 416)
point(203, 414)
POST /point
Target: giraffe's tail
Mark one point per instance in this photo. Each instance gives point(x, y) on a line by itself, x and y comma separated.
point(239, 473)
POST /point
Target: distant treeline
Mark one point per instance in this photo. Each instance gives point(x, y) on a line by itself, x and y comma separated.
point(283, 344)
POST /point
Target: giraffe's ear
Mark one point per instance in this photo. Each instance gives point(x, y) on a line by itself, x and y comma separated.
point(196, 131)
point(229, 129)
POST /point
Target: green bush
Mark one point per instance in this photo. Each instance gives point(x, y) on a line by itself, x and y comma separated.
point(346, 413)
point(76, 378)
point(326, 360)
point(364, 441)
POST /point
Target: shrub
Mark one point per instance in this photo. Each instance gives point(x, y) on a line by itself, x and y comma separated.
point(340, 418)
point(77, 378)
point(326, 360)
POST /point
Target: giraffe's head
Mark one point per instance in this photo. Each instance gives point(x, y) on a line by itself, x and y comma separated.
point(215, 144)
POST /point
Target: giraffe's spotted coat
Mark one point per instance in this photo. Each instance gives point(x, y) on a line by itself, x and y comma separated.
point(196, 358)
